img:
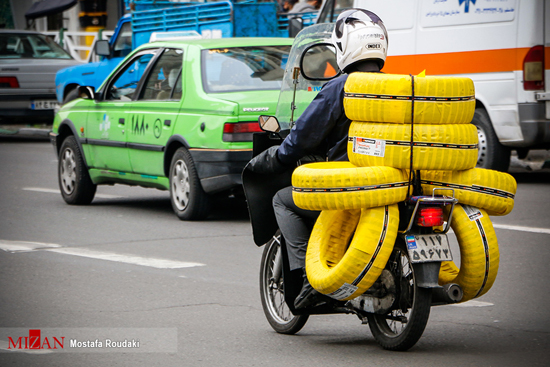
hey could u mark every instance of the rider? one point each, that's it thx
(361, 43)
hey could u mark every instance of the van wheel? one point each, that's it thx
(189, 200)
(491, 154)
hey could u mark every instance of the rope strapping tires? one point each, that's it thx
(343, 272)
(479, 255)
(436, 147)
(343, 186)
(388, 98)
(490, 190)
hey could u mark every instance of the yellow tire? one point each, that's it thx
(343, 272)
(479, 255)
(436, 147)
(343, 186)
(490, 190)
(387, 98)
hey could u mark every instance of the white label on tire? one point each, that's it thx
(343, 292)
(473, 213)
(373, 147)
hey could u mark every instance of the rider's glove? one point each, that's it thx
(267, 162)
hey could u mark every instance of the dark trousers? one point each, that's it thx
(295, 225)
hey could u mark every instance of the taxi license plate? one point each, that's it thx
(428, 248)
(44, 104)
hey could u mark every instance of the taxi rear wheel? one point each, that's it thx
(188, 199)
(74, 181)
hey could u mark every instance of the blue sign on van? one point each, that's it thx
(467, 6)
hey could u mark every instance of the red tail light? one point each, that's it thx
(533, 69)
(240, 131)
(8, 82)
(430, 217)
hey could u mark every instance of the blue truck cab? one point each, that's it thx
(94, 73)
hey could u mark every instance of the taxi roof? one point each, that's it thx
(224, 42)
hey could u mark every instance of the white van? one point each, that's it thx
(500, 44)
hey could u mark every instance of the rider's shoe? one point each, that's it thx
(308, 296)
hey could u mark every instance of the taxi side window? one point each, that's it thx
(125, 83)
(164, 80)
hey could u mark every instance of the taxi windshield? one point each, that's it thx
(243, 68)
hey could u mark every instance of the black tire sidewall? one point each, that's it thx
(198, 206)
(496, 156)
(418, 319)
(85, 189)
(298, 322)
(72, 95)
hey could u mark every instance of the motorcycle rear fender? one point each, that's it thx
(427, 274)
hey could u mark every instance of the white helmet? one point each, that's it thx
(359, 35)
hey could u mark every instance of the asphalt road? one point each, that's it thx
(104, 266)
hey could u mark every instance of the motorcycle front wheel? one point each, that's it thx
(403, 326)
(272, 293)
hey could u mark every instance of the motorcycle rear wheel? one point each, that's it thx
(403, 326)
(272, 293)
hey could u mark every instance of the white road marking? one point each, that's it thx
(20, 246)
(54, 191)
(473, 303)
(4, 346)
(127, 259)
(523, 229)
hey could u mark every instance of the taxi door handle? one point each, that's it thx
(121, 121)
(167, 122)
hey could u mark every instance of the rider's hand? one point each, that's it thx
(267, 162)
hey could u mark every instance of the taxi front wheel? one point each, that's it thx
(188, 199)
(74, 181)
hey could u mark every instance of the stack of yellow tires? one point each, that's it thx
(354, 236)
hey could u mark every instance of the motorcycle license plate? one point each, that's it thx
(428, 248)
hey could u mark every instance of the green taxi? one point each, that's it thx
(174, 115)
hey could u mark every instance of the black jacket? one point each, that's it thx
(322, 129)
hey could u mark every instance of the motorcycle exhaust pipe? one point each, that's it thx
(449, 293)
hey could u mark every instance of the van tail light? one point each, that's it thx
(240, 131)
(430, 217)
(8, 82)
(533, 69)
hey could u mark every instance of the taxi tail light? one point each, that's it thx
(240, 131)
(8, 82)
(430, 217)
(533, 69)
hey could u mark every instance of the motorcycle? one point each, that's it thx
(397, 306)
